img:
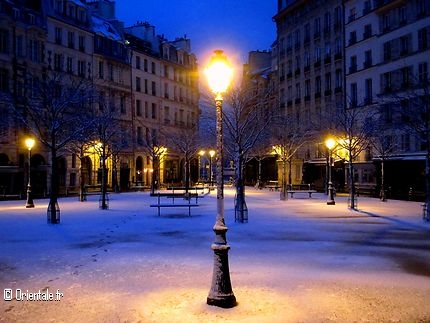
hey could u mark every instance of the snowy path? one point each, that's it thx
(295, 261)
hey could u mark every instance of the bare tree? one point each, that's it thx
(246, 117)
(186, 142)
(382, 141)
(353, 131)
(286, 141)
(56, 110)
(414, 105)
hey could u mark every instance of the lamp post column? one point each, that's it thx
(330, 143)
(221, 294)
(29, 204)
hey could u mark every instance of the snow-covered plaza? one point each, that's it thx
(299, 260)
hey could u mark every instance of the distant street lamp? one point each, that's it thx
(29, 143)
(219, 74)
(211, 155)
(201, 154)
(330, 143)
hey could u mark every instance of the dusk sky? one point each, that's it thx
(236, 26)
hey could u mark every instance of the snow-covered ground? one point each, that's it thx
(294, 261)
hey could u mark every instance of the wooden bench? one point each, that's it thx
(300, 188)
(188, 197)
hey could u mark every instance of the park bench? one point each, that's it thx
(300, 188)
(183, 196)
(273, 185)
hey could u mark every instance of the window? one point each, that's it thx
(353, 94)
(402, 15)
(58, 35)
(387, 51)
(338, 80)
(353, 64)
(101, 70)
(111, 72)
(71, 39)
(154, 111)
(423, 73)
(69, 65)
(145, 65)
(327, 22)
(367, 31)
(153, 88)
(297, 38)
(122, 104)
(4, 40)
(138, 108)
(58, 62)
(152, 67)
(337, 17)
(386, 82)
(366, 7)
(404, 45)
(137, 62)
(367, 58)
(352, 37)
(139, 135)
(368, 91)
(81, 68)
(138, 85)
(317, 54)
(307, 90)
(318, 85)
(4, 80)
(146, 86)
(307, 33)
(423, 38)
(327, 82)
(298, 91)
(317, 27)
(81, 41)
(352, 14)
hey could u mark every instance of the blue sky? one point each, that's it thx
(236, 26)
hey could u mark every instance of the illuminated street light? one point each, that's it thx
(219, 74)
(330, 143)
(201, 154)
(29, 143)
(211, 155)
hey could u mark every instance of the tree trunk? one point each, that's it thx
(283, 194)
(382, 193)
(351, 185)
(240, 208)
(53, 208)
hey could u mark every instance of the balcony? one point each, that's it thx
(327, 60)
(317, 95)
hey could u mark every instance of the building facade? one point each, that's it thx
(147, 85)
(387, 57)
(310, 72)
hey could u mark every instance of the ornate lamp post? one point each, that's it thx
(330, 143)
(211, 155)
(219, 75)
(29, 143)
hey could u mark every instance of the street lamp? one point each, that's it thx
(219, 74)
(330, 143)
(201, 154)
(29, 143)
(211, 155)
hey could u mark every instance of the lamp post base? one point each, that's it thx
(221, 293)
(29, 203)
(330, 200)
